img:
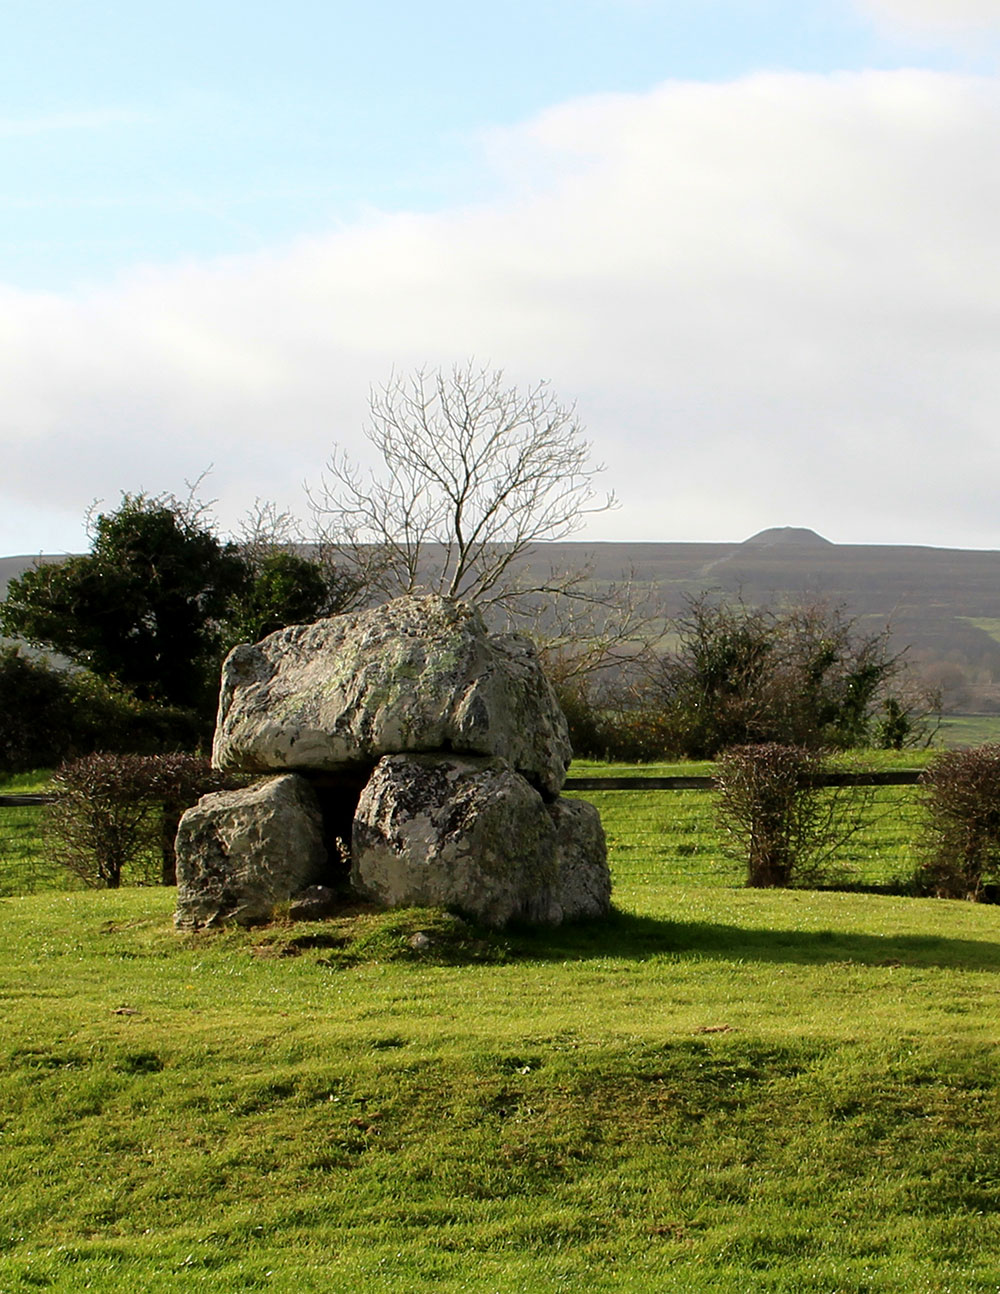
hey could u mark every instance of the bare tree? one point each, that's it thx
(474, 472)
(264, 530)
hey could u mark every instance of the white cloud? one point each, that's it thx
(776, 302)
(953, 14)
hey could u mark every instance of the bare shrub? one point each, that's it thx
(779, 818)
(116, 815)
(960, 800)
(102, 823)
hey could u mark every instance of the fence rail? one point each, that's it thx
(894, 777)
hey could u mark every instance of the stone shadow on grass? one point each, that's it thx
(625, 934)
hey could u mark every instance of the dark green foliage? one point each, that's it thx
(714, 685)
(106, 716)
(960, 798)
(118, 814)
(144, 607)
(33, 712)
(48, 715)
(285, 588)
(784, 826)
(898, 727)
(602, 727)
(799, 676)
(802, 676)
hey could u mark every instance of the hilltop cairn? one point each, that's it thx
(436, 749)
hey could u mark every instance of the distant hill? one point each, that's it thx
(943, 603)
(787, 537)
(11, 567)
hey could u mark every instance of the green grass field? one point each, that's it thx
(959, 730)
(717, 1089)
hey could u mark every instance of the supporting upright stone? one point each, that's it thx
(583, 887)
(464, 833)
(472, 834)
(240, 853)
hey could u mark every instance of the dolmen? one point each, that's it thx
(407, 756)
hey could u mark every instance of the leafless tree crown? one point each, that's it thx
(473, 473)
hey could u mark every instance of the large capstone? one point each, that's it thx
(415, 675)
(240, 853)
(473, 835)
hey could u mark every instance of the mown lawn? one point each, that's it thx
(717, 1089)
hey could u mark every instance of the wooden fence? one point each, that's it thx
(895, 777)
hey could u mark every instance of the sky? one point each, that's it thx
(756, 242)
